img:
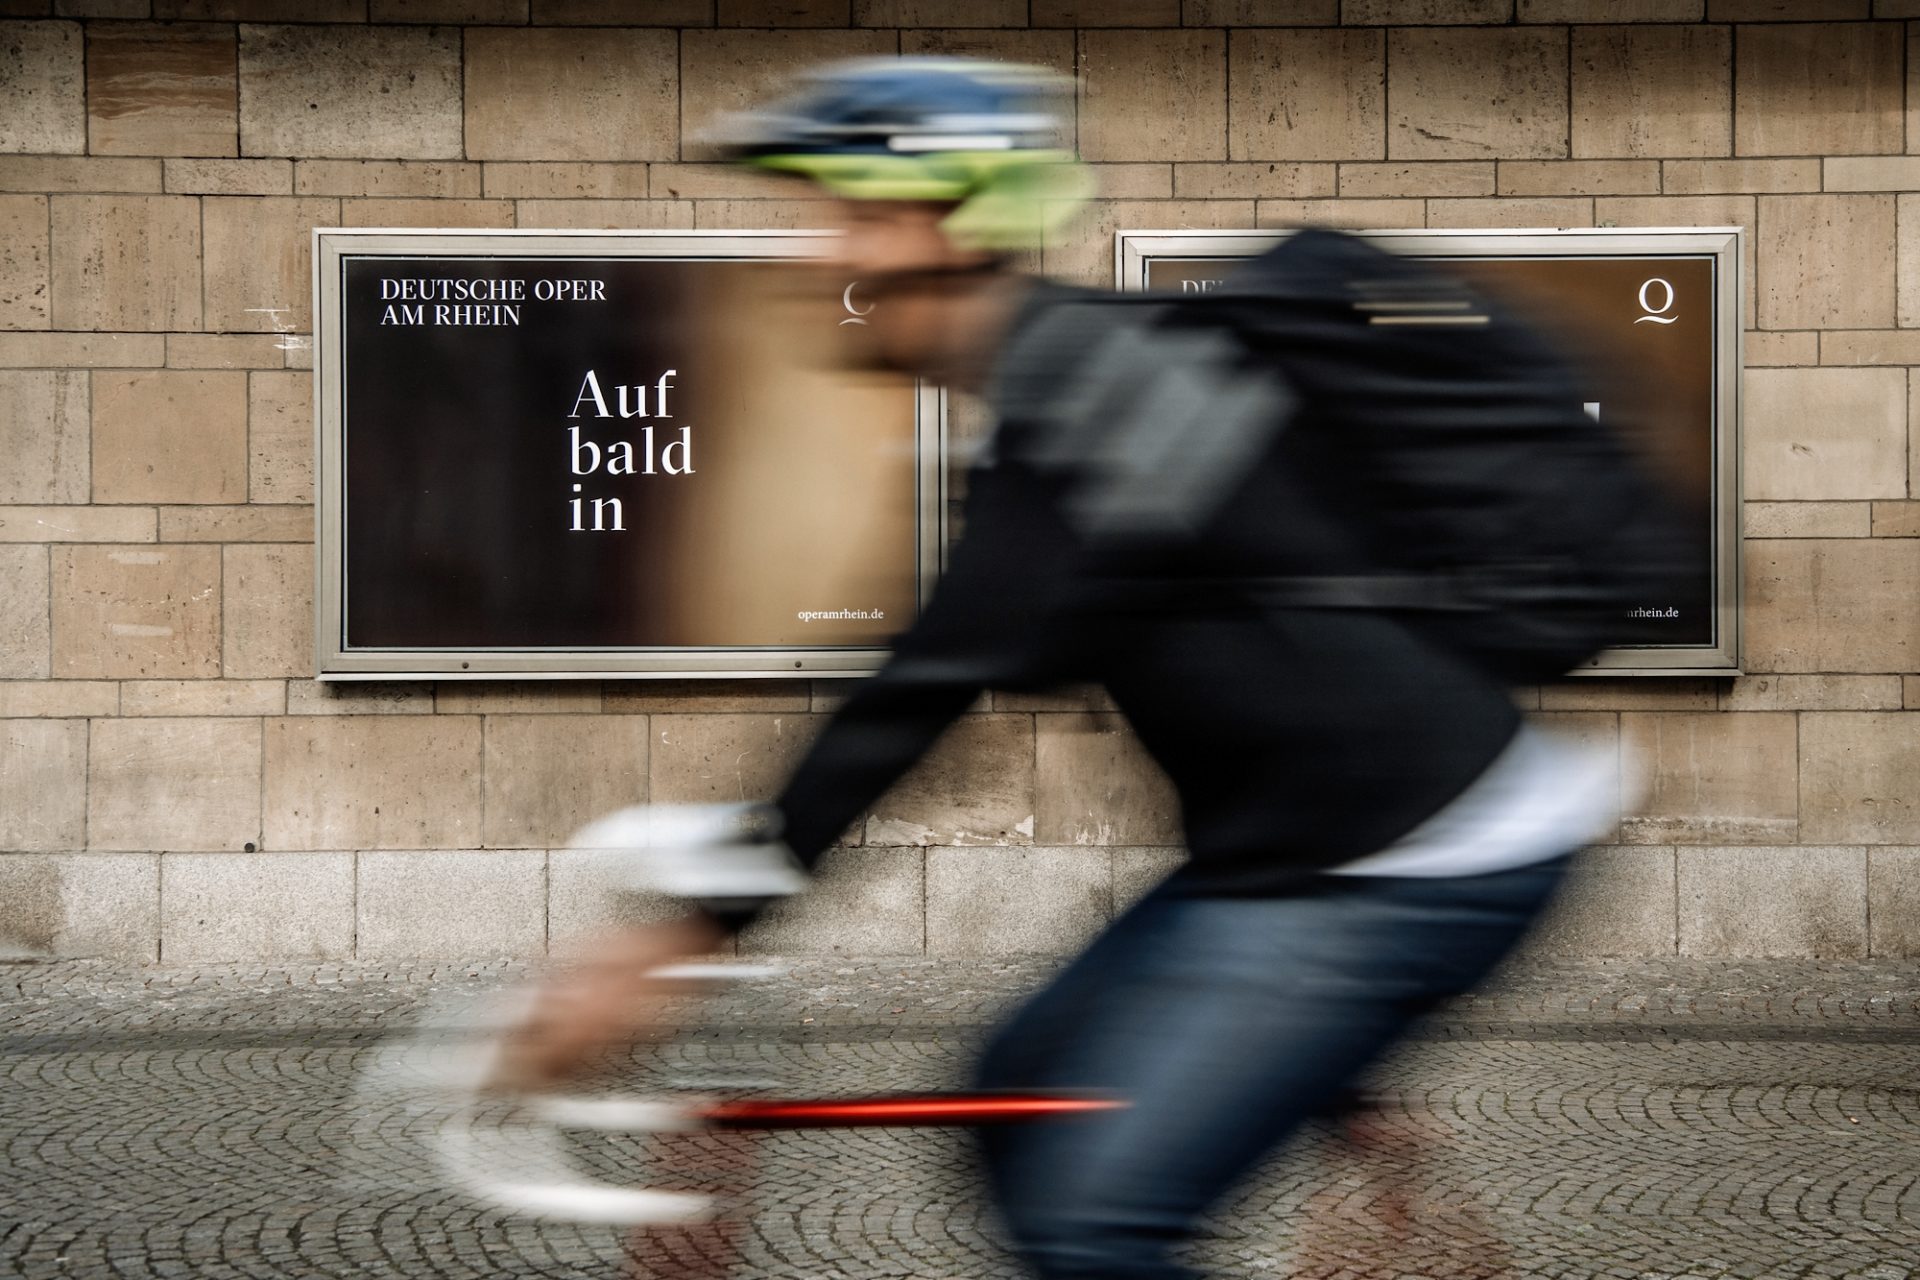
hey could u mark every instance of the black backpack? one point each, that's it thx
(1472, 493)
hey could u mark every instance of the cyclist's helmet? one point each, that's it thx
(990, 137)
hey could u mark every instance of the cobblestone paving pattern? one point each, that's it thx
(1646, 1121)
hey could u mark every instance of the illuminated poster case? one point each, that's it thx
(1651, 318)
(608, 454)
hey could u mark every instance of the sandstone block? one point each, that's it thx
(1242, 179)
(173, 784)
(629, 696)
(1825, 433)
(1896, 519)
(975, 787)
(43, 784)
(77, 524)
(1579, 177)
(1596, 731)
(23, 262)
(517, 697)
(1832, 605)
(1008, 901)
(1466, 93)
(1757, 177)
(42, 88)
(548, 776)
(81, 351)
(450, 178)
(1871, 173)
(77, 173)
(1616, 900)
(1783, 10)
(280, 437)
(456, 903)
(24, 635)
(1907, 253)
(372, 782)
(1535, 211)
(44, 436)
(1603, 694)
(1709, 778)
(1044, 48)
(600, 13)
(1801, 902)
(263, 10)
(1095, 784)
(617, 215)
(784, 215)
(1807, 519)
(1260, 13)
(85, 905)
(1075, 698)
(1826, 262)
(1392, 13)
(161, 90)
(861, 902)
(224, 351)
(136, 612)
(1870, 346)
(1893, 902)
(1812, 693)
(561, 94)
(1652, 91)
(269, 620)
(1766, 348)
(203, 697)
(426, 213)
(731, 70)
(1858, 779)
(1105, 13)
(1159, 95)
(1831, 88)
(718, 759)
(126, 262)
(217, 907)
(346, 91)
(1307, 95)
(939, 13)
(565, 180)
(229, 177)
(783, 13)
(475, 11)
(236, 524)
(1357, 215)
(58, 698)
(1422, 178)
(170, 435)
(1612, 10)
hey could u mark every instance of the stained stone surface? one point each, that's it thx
(1673, 1121)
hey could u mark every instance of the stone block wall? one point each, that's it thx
(174, 785)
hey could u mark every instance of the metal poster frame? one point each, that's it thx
(333, 660)
(1134, 251)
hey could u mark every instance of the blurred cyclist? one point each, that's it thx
(1236, 516)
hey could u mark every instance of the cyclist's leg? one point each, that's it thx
(1226, 1023)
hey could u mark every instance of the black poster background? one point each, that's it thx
(1654, 381)
(458, 480)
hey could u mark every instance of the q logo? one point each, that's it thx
(1656, 315)
(854, 314)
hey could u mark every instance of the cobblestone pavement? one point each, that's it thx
(1669, 1121)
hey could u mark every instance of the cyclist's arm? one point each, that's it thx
(993, 618)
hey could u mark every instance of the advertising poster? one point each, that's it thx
(608, 461)
(1652, 331)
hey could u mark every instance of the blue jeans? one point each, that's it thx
(1226, 1022)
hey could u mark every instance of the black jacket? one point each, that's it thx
(1296, 738)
